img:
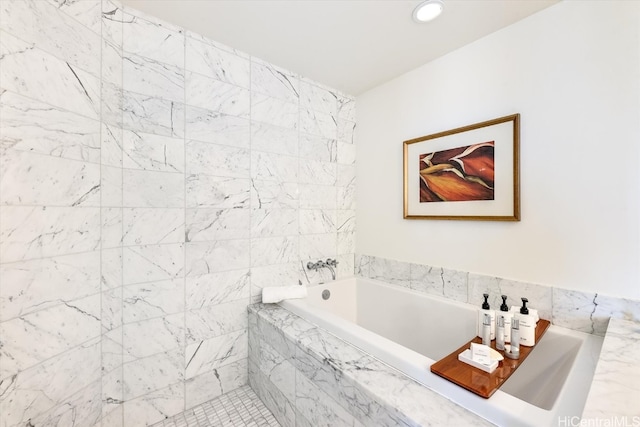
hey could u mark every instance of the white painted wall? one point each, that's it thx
(573, 72)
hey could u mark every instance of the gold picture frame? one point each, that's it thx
(468, 173)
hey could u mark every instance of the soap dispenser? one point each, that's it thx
(507, 315)
(527, 325)
(492, 315)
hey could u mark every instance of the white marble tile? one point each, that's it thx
(214, 95)
(274, 250)
(440, 281)
(277, 368)
(111, 261)
(319, 173)
(29, 125)
(346, 220)
(146, 226)
(217, 256)
(112, 104)
(206, 355)
(346, 175)
(75, 90)
(210, 60)
(37, 336)
(346, 132)
(346, 197)
(274, 139)
(153, 78)
(390, 271)
(362, 265)
(39, 388)
(207, 191)
(82, 408)
(152, 152)
(205, 224)
(35, 179)
(215, 320)
(152, 336)
(36, 232)
(38, 284)
(317, 221)
(111, 309)
(273, 167)
(86, 12)
(274, 82)
(149, 374)
(346, 243)
(150, 189)
(267, 194)
(318, 123)
(346, 262)
(316, 98)
(110, 186)
(153, 115)
(44, 25)
(346, 108)
(154, 299)
(274, 222)
(274, 275)
(155, 406)
(152, 39)
(277, 403)
(317, 197)
(112, 359)
(217, 288)
(540, 297)
(318, 246)
(149, 263)
(317, 407)
(274, 111)
(210, 126)
(112, 64)
(315, 147)
(111, 147)
(210, 385)
(217, 160)
(346, 153)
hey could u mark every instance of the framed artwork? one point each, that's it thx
(468, 173)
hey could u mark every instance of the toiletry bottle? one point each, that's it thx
(527, 326)
(504, 310)
(486, 330)
(500, 331)
(492, 314)
(514, 351)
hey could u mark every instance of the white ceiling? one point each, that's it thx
(350, 45)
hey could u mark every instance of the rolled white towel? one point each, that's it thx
(279, 293)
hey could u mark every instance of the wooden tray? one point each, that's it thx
(477, 381)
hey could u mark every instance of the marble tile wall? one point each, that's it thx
(581, 311)
(152, 181)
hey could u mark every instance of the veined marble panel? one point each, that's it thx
(209, 385)
(317, 246)
(273, 275)
(281, 407)
(112, 63)
(346, 243)
(218, 160)
(210, 126)
(36, 232)
(150, 189)
(217, 224)
(317, 196)
(391, 271)
(317, 221)
(346, 132)
(439, 281)
(313, 97)
(111, 148)
(83, 408)
(40, 388)
(346, 260)
(75, 90)
(153, 336)
(112, 358)
(274, 82)
(208, 191)
(155, 406)
(278, 369)
(111, 227)
(112, 18)
(35, 179)
(112, 103)
(110, 186)
(346, 109)
(319, 173)
(42, 24)
(86, 12)
(207, 355)
(274, 250)
(217, 288)
(274, 139)
(29, 125)
(153, 115)
(346, 153)
(146, 226)
(214, 95)
(217, 256)
(150, 263)
(346, 175)
(346, 197)
(153, 78)
(152, 39)
(216, 320)
(346, 221)
(274, 222)
(317, 407)
(274, 111)
(152, 152)
(42, 283)
(154, 299)
(273, 194)
(274, 167)
(315, 147)
(111, 309)
(318, 123)
(362, 265)
(149, 374)
(111, 268)
(207, 58)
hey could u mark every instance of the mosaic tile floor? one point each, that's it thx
(238, 408)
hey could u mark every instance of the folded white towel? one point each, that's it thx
(279, 293)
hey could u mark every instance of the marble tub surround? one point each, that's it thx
(308, 377)
(581, 311)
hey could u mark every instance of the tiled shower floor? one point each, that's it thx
(238, 408)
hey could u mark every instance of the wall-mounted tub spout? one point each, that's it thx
(329, 264)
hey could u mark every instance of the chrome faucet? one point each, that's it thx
(329, 264)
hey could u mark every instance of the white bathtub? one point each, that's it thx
(409, 331)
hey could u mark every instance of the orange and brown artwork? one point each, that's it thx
(458, 174)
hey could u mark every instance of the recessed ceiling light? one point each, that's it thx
(428, 10)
